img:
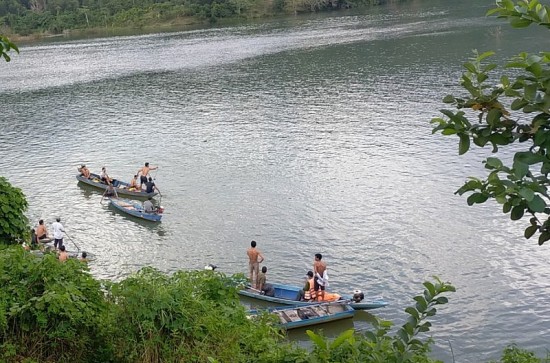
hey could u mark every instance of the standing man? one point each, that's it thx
(255, 257)
(144, 172)
(58, 230)
(321, 276)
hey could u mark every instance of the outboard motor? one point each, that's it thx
(160, 210)
(358, 296)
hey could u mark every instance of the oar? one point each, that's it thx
(74, 243)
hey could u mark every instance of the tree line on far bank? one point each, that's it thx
(24, 17)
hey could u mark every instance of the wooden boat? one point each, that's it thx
(135, 209)
(289, 295)
(301, 316)
(122, 188)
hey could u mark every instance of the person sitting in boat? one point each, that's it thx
(308, 292)
(150, 186)
(148, 206)
(41, 231)
(104, 176)
(265, 288)
(84, 171)
(134, 184)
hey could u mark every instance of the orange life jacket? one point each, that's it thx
(311, 293)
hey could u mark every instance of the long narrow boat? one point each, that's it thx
(289, 295)
(301, 316)
(122, 188)
(135, 209)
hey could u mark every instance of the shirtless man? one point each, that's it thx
(144, 172)
(41, 231)
(255, 257)
(319, 268)
(133, 183)
(63, 255)
(84, 171)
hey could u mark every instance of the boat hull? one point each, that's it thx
(135, 209)
(120, 186)
(314, 314)
(288, 295)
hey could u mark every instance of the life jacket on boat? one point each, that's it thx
(311, 293)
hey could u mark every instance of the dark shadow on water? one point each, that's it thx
(88, 191)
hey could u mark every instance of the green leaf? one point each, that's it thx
(449, 99)
(520, 169)
(530, 231)
(493, 163)
(518, 103)
(412, 311)
(464, 144)
(544, 236)
(517, 213)
(537, 204)
(317, 339)
(519, 22)
(347, 335)
(527, 194)
(476, 198)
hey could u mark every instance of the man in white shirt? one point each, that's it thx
(58, 230)
(148, 206)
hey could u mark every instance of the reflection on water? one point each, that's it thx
(307, 135)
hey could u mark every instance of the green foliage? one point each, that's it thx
(196, 314)
(13, 222)
(50, 311)
(6, 46)
(514, 354)
(378, 346)
(511, 109)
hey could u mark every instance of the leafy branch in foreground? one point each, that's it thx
(514, 109)
(378, 346)
(6, 45)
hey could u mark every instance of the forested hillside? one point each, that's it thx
(24, 17)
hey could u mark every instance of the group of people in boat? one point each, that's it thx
(140, 179)
(314, 287)
(39, 238)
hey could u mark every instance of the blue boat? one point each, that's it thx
(122, 188)
(301, 316)
(135, 209)
(289, 295)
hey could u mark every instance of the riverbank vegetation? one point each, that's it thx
(52, 311)
(24, 17)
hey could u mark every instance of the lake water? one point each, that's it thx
(307, 134)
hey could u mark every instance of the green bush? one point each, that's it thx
(50, 311)
(13, 222)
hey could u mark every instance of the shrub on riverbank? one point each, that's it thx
(57, 312)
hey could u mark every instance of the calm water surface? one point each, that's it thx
(305, 134)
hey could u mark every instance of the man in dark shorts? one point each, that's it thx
(58, 230)
(144, 172)
(321, 278)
